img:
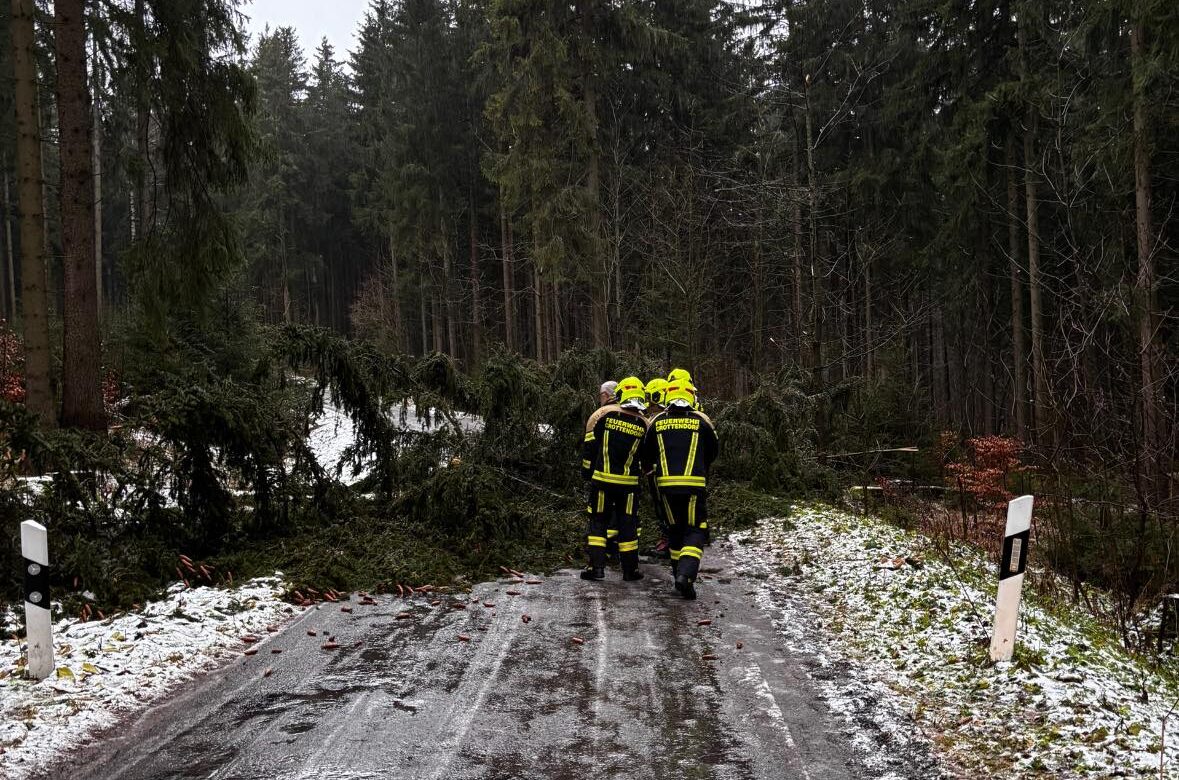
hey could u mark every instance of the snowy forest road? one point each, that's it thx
(640, 696)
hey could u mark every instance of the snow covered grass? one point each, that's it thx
(898, 621)
(106, 670)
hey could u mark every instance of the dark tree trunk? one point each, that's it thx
(141, 222)
(394, 294)
(82, 352)
(1018, 350)
(1152, 453)
(30, 191)
(476, 288)
(9, 249)
(505, 232)
(816, 319)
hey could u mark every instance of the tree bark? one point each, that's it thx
(437, 318)
(97, 163)
(450, 314)
(423, 305)
(758, 312)
(476, 287)
(1018, 350)
(1041, 424)
(9, 249)
(82, 352)
(34, 296)
(599, 273)
(538, 312)
(869, 361)
(1152, 455)
(505, 232)
(796, 218)
(1040, 400)
(399, 339)
(555, 331)
(143, 207)
(816, 277)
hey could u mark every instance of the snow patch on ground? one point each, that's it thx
(108, 669)
(904, 648)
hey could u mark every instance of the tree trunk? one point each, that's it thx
(1040, 400)
(505, 232)
(9, 249)
(555, 331)
(284, 282)
(599, 273)
(399, 340)
(796, 218)
(537, 311)
(869, 367)
(97, 163)
(1041, 424)
(816, 277)
(34, 297)
(423, 305)
(1018, 350)
(476, 289)
(143, 207)
(437, 318)
(82, 352)
(1152, 455)
(449, 312)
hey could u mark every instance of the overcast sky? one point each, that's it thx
(312, 20)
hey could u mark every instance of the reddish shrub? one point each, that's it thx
(990, 461)
(12, 360)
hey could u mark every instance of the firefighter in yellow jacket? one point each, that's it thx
(681, 443)
(655, 389)
(611, 462)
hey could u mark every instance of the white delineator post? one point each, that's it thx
(1011, 568)
(34, 547)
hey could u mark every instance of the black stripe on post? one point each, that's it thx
(36, 583)
(1015, 555)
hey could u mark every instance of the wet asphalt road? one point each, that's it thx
(406, 698)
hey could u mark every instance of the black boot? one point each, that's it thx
(631, 576)
(686, 587)
(593, 573)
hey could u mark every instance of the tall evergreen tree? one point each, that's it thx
(82, 405)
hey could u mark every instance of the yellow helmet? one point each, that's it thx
(681, 393)
(679, 375)
(655, 389)
(631, 393)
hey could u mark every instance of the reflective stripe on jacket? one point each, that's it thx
(610, 453)
(681, 444)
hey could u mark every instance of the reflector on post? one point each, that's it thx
(34, 548)
(1012, 564)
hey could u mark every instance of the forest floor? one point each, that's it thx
(825, 643)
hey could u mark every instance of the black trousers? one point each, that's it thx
(613, 509)
(687, 513)
(660, 510)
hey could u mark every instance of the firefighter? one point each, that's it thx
(682, 375)
(681, 443)
(611, 463)
(655, 389)
(605, 398)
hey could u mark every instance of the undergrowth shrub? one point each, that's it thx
(768, 439)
